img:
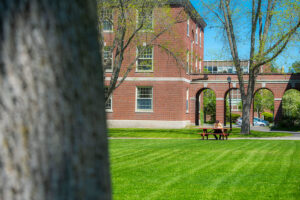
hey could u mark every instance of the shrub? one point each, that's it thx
(268, 116)
(234, 117)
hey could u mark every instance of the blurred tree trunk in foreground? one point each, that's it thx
(52, 122)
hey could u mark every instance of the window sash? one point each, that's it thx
(145, 59)
(108, 58)
(144, 98)
(146, 18)
(107, 24)
(108, 104)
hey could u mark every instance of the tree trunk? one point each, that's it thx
(245, 128)
(52, 122)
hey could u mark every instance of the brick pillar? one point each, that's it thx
(220, 110)
(277, 110)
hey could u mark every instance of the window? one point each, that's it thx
(145, 19)
(144, 99)
(235, 99)
(108, 104)
(188, 27)
(188, 62)
(192, 56)
(200, 39)
(196, 39)
(107, 59)
(145, 59)
(200, 66)
(107, 22)
(187, 100)
(196, 65)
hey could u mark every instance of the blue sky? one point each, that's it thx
(214, 44)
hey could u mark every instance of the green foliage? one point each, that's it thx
(209, 104)
(295, 68)
(291, 109)
(206, 170)
(268, 116)
(263, 100)
(234, 117)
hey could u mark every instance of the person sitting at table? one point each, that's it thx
(218, 128)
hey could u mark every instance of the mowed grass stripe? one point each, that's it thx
(207, 170)
(209, 180)
(191, 170)
(232, 167)
(246, 170)
(289, 187)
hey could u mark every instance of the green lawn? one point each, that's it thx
(180, 133)
(194, 169)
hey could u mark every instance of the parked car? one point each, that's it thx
(256, 122)
(239, 121)
(260, 122)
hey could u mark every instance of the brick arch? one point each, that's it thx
(197, 105)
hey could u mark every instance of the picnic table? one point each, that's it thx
(223, 132)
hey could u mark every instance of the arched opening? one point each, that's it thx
(290, 109)
(236, 105)
(263, 107)
(205, 106)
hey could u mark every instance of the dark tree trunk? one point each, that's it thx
(245, 128)
(52, 122)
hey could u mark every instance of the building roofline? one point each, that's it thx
(190, 9)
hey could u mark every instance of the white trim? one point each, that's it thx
(188, 27)
(147, 124)
(220, 99)
(153, 79)
(246, 81)
(277, 99)
(196, 35)
(187, 101)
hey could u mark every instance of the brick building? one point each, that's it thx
(162, 93)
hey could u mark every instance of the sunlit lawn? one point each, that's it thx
(195, 169)
(181, 133)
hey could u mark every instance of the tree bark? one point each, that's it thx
(52, 122)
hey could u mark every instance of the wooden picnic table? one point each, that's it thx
(223, 133)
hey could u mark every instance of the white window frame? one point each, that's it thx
(200, 65)
(112, 59)
(188, 62)
(142, 29)
(137, 61)
(196, 38)
(196, 65)
(187, 101)
(136, 100)
(112, 25)
(192, 45)
(111, 102)
(188, 27)
(200, 39)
